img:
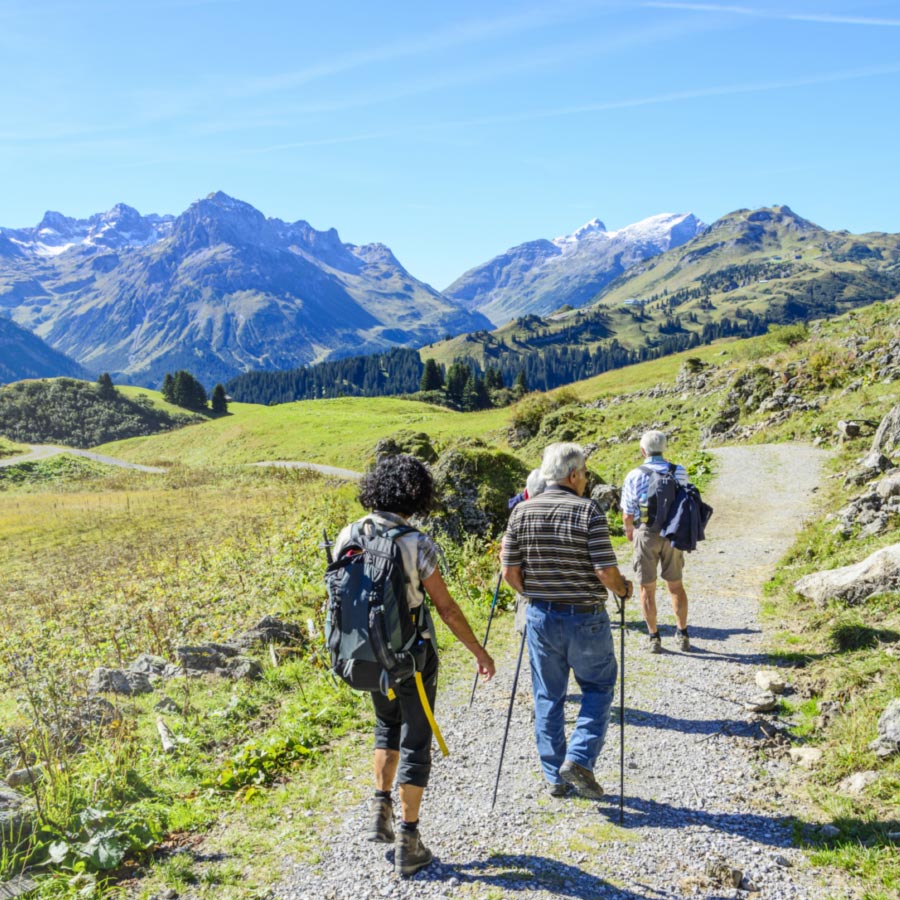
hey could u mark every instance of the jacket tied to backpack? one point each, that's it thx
(673, 510)
(374, 634)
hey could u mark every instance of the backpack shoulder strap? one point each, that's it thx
(399, 530)
(672, 469)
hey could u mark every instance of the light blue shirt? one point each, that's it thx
(636, 483)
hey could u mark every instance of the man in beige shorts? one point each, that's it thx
(652, 552)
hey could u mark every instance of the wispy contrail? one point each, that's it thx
(784, 15)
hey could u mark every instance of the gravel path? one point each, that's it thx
(695, 786)
(45, 451)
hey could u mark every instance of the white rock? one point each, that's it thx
(855, 784)
(762, 703)
(805, 756)
(771, 680)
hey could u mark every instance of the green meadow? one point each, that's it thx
(99, 565)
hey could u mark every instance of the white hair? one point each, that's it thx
(559, 461)
(653, 442)
(535, 483)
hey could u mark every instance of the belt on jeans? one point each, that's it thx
(569, 608)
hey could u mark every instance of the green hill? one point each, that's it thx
(750, 269)
(80, 414)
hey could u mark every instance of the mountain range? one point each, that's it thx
(541, 276)
(24, 355)
(749, 269)
(218, 290)
(221, 290)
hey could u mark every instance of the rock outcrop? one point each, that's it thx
(876, 574)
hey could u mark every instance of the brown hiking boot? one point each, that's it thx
(682, 640)
(381, 821)
(655, 643)
(581, 779)
(410, 854)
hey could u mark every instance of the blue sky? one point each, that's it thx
(452, 131)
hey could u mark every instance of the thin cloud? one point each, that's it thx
(605, 106)
(824, 18)
(680, 96)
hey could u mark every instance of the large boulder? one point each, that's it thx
(887, 437)
(117, 681)
(888, 741)
(473, 485)
(415, 443)
(270, 630)
(876, 574)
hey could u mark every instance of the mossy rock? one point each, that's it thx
(570, 423)
(415, 443)
(473, 484)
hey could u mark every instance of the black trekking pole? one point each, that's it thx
(326, 545)
(512, 700)
(620, 602)
(488, 630)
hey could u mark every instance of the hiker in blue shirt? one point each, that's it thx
(652, 552)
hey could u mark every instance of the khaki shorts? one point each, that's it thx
(652, 551)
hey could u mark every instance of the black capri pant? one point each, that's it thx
(401, 723)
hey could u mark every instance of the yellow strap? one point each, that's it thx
(390, 694)
(430, 715)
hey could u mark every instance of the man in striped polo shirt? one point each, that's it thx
(653, 552)
(557, 554)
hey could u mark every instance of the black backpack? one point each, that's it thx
(661, 491)
(372, 635)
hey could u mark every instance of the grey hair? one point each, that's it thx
(653, 442)
(559, 460)
(535, 483)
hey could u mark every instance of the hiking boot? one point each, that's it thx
(410, 854)
(381, 821)
(557, 790)
(655, 643)
(581, 779)
(682, 640)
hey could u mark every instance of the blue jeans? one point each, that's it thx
(560, 642)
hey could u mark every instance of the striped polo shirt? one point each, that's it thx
(559, 539)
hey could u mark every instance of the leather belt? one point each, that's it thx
(568, 608)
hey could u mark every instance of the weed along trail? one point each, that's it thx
(704, 813)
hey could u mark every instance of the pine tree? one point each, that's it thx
(105, 387)
(456, 381)
(432, 378)
(469, 400)
(219, 400)
(168, 388)
(521, 385)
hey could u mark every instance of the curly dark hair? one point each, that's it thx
(398, 484)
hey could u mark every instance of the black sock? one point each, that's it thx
(410, 827)
(383, 795)
(681, 630)
(653, 634)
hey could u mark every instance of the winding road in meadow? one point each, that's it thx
(45, 451)
(697, 791)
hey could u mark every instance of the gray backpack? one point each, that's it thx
(660, 499)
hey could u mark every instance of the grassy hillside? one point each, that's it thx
(81, 413)
(339, 432)
(749, 269)
(112, 564)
